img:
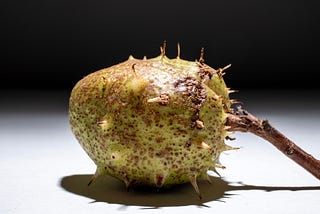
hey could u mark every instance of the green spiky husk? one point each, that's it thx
(156, 121)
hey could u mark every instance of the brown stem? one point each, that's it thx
(243, 121)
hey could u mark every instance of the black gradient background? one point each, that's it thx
(51, 44)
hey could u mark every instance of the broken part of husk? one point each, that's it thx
(243, 121)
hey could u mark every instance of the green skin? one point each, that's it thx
(156, 121)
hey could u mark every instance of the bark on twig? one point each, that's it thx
(243, 121)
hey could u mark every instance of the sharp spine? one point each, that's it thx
(159, 180)
(203, 145)
(227, 148)
(178, 55)
(193, 181)
(217, 165)
(95, 176)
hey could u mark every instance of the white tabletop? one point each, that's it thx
(43, 169)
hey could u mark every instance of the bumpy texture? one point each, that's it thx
(156, 121)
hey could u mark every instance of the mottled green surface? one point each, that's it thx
(157, 122)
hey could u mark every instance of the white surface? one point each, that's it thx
(44, 170)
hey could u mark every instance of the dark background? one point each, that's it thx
(51, 44)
